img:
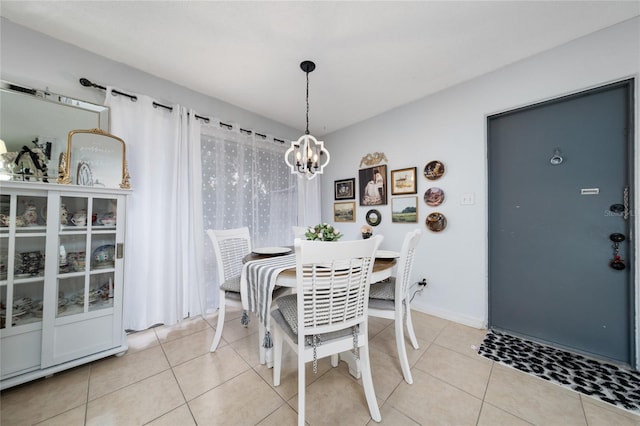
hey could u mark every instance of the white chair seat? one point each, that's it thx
(384, 290)
(289, 328)
(232, 284)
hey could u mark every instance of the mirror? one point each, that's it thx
(38, 119)
(94, 158)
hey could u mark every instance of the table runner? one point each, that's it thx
(258, 279)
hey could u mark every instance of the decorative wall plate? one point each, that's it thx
(434, 196)
(436, 222)
(373, 217)
(434, 170)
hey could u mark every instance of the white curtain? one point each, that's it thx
(164, 244)
(245, 183)
(309, 201)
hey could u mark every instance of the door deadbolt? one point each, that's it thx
(616, 237)
(617, 208)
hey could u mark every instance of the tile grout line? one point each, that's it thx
(173, 373)
(86, 405)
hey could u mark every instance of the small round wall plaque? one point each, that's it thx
(373, 217)
(434, 170)
(436, 222)
(434, 196)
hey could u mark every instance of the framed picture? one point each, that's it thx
(403, 181)
(404, 210)
(345, 189)
(344, 212)
(373, 186)
(373, 217)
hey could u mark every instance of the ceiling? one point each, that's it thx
(371, 56)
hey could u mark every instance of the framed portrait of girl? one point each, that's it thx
(373, 186)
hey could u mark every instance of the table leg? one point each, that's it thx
(352, 362)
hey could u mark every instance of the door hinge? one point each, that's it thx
(625, 201)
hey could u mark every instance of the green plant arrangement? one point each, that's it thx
(322, 232)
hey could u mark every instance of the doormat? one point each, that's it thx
(596, 379)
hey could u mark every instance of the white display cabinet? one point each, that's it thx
(61, 277)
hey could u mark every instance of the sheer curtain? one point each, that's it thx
(245, 182)
(309, 196)
(164, 243)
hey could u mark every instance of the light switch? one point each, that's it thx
(468, 199)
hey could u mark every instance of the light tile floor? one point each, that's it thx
(169, 377)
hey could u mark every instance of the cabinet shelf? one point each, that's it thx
(34, 228)
(27, 280)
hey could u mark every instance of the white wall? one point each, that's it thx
(450, 126)
(36, 60)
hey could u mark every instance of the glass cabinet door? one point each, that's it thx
(22, 259)
(87, 248)
(104, 218)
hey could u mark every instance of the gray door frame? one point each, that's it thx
(634, 196)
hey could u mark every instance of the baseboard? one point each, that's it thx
(452, 316)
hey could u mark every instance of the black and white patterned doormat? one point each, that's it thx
(597, 379)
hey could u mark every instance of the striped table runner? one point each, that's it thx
(257, 282)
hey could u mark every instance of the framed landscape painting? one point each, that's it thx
(404, 210)
(344, 212)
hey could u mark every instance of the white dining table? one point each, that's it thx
(263, 272)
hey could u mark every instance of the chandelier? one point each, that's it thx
(307, 156)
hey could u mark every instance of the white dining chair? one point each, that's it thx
(229, 246)
(328, 313)
(391, 299)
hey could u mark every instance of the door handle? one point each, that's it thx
(617, 263)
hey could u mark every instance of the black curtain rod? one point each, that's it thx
(86, 83)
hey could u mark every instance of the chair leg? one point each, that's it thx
(277, 355)
(301, 387)
(220, 325)
(367, 383)
(402, 350)
(412, 333)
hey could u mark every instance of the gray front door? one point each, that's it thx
(558, 175)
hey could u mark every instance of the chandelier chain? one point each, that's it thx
(307, 131)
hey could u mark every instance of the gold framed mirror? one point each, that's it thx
(94, 158)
